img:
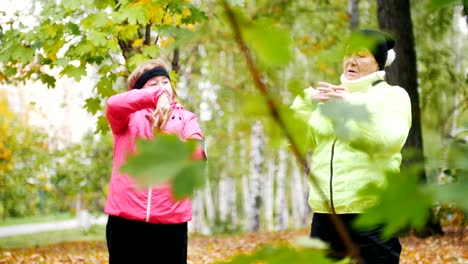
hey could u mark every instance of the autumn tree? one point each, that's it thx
(24, 164)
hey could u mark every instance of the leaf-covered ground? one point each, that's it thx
(451, 249)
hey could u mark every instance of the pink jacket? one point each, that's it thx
(126, 114)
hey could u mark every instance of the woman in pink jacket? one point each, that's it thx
(147, 226)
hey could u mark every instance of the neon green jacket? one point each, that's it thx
(348, 152)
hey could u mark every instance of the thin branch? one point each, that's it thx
(273, 109)
(175, 61)
(148, 34)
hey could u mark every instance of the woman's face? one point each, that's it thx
(161, 82)
(359, 64)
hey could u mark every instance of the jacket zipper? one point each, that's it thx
(331, 176)
(148, 205)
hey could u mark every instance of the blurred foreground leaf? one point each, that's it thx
(282, 254)
(271, 44)
(403, 202)
(164, 158)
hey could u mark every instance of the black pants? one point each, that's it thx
(130, 241)
(372, 248)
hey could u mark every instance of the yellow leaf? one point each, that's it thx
(186, 12)
(168, 20)
(137, 42)
(178, 19)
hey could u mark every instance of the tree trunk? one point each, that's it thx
(256, 171)
(209, 206)
(353, 11)
(395, 17)
(268, 196)
(246, 199)
(281, 201)
(298, 198)
(222, 197)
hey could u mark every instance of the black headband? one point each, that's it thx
(158, 71)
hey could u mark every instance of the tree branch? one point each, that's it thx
(273, 109)
(148, 34)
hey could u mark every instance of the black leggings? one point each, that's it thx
(372, 248)
(130, 241)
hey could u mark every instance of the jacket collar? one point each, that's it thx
(363, 83)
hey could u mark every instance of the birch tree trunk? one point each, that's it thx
(298, 194)
(209, 206)
(268, 196)
(230, 181)
(247, 210)
(246, 199)
(256, 171)
(196, 224)
(281, 201)
(222, 199)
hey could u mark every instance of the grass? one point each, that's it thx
(97, 232)
(36, 219)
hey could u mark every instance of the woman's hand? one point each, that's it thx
(160, 116)
(326, 91)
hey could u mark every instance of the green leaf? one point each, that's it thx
(102, 125)
(439, 4)
(161, 159)
(103, 4)
(188, 180)
(135, 14)
(95, 20)
(104, 86)
(136, 60)
(403, 202)
(47, 79)
(73, 28)
(74, 72)
(126, 32)
(62, 62)
(93, 105)
(98, 38)
(151, 51)
(23, 54)
(271, 44)
(10, 71)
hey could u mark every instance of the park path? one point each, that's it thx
(82, 221)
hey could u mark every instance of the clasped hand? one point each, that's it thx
(326, 91)
(160, 116)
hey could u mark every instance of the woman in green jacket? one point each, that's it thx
(345, 162)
